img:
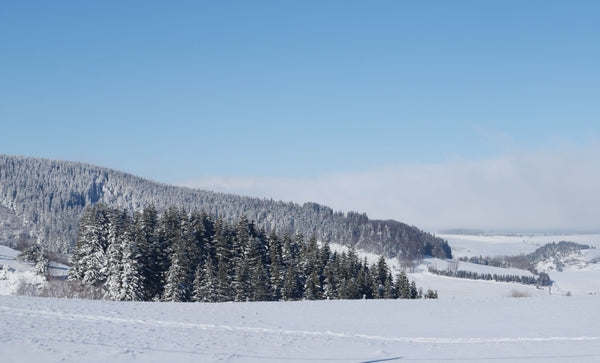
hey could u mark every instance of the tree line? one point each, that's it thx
(197, 256)
(542, 280)
(552, 252)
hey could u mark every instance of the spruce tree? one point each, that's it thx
(224, 254)
(276, 266)
(89, 259)
(414, 292)
(132, 287)
(389, 291)
(152, 252)
(177, 280)
(330, 281)
(205, 282)
(292, 287)
(403, 286)
(242, 284)
(259, 283)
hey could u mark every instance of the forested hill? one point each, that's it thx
(43, 199)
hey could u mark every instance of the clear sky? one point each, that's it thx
(279, 98)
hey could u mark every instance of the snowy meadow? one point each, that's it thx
(473, 320)
(535, 329)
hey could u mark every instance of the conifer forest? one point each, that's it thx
(195, 256)
(42, 201)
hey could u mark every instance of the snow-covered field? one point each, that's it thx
(581, 276)
(498, 245)
(507, 329)
(473, 320)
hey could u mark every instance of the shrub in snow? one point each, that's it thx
(519, 293)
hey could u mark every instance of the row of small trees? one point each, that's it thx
(542, 280)
(181, 256)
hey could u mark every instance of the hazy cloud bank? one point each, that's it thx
(544, 191)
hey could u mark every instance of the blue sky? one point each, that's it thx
(196, 91)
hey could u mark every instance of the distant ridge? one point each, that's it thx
(42, 199)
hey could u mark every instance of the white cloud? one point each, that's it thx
(551, 190)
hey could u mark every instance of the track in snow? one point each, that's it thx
(203, 326)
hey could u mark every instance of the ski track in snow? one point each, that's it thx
(203, 326)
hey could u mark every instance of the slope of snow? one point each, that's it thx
(449, 287)
(549, 330)
(14, 272)
(581, 276)
(499, 245)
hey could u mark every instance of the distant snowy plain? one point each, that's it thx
(472, 321)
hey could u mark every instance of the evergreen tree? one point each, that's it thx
(380, 272)
(243, 288)
(414, 292)
(117, 226)
(364, 281)
(330, 281)
(260, 286)
(276, 266)
(89, 259)
(403, 286)
(178, 285)
(152, 252)
(224, 254)
(389, 291)
(124, 280)
(132, 287)
(292, 286)
(312, 288)
(205, 282)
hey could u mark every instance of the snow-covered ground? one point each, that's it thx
(581, 275)
(13, 272)
(547, 330)
(473, 320)
(501, 245)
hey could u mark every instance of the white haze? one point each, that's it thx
(542, 191)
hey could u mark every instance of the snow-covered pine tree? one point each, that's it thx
(389, 291)
(260, 284)
(223, 252)
(132, 287)
(380, 272)
(330, 284)
(292, 286)
(89, 259)
(124, 274)
(257, 256)
(205, 282)
(178, 284)
(114, 253)
(403, 286)
(152, 252)
(38, 255)
(276, 266)
(365, 280)
(414, 292)
(242, 286)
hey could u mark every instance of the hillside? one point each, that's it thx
(43, 199)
